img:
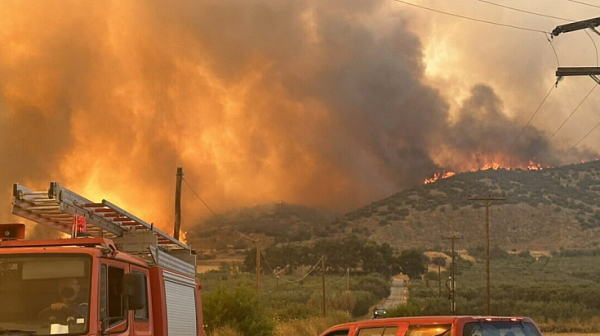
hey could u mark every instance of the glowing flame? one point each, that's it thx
(183, 237)
(437, 176)
(531, 165)
(534, 166)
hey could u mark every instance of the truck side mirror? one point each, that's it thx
(134, 291)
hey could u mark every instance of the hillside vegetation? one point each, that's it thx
(548, 209)
(544, 210)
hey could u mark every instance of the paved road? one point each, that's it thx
(397, 294)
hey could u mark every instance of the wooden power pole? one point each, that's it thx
(177, 227)
(257, 267)
(452, 239)
(323, 278)
(488, 201)
(439, 280)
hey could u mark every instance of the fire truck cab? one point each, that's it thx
(115, 275)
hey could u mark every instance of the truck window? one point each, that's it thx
(429, 330)
(379, 331)
(338, 333)
(141, 315)
(111, 305)
(500, 328)
(44, 293)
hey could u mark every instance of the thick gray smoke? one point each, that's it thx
(314, 102)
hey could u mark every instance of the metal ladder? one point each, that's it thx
(57, 207)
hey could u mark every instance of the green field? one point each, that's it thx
(562, 292)
(296, 306)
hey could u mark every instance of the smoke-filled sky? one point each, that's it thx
(323, 103)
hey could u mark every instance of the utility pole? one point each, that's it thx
(257, 242)
(177, 227)
(323, 278)
(257, 267)
(452, 239)
(593, 72)
(440, 280)
(348, 280)
(488, 201)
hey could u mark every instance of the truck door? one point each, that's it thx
(142, 319)
(111, 308)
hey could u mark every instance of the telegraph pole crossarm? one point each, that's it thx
(579, 25)
(593, 72)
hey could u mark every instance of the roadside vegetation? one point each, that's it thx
(290, 300)
(561, 292)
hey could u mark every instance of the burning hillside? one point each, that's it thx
(493, 166)
(308, 102)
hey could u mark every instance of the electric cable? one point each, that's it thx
(532, 116)
(583, 3)
(472, 19)
(549, 38)
(595, 46)
(228, 226)
(523, 11)
(585, 136)
(544, 145)
(556, 54)
(306, 275)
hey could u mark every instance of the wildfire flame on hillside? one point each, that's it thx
(488, 166)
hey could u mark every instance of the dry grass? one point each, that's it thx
(310, 327)
(569, 334)
(225, 331)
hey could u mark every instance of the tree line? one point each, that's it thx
(358, 255)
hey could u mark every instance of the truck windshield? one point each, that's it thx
(44, 294)
(500, 328)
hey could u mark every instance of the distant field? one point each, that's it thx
(561, 292)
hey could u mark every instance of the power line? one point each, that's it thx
(228, 226)
(584, 3)
(524, 11)
(201, 200)
(532, 116)
(554, 50)
(471, 18)
(306, 275)
(585, 136)
(564, 122)
(546, 16)
(594, 43)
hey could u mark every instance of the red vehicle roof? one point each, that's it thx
(417, 320)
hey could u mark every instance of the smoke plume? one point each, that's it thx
(311, 102)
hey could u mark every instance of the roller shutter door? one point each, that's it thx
(181, 305)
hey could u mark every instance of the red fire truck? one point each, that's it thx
(115, 275)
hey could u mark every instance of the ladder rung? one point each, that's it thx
(93, 205)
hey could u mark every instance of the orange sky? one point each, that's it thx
(330, 104)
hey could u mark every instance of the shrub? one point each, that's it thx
(364, 300)
(237, 308)
(404, 309)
